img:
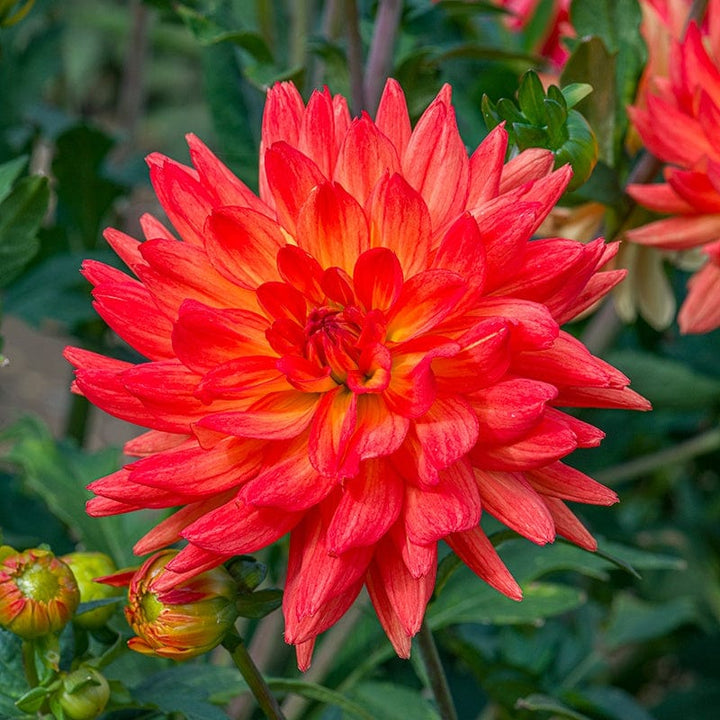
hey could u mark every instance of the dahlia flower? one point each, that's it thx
(364, 356)
(679, 124)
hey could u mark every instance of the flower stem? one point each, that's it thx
(259, 688)
(355, 57)
(699, 445)
(380, 56)
(438, 681)
(28, 660)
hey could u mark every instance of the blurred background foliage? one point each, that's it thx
(87, 89)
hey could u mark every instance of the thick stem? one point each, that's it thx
(244, 663)
(438, 681)
(380, 56)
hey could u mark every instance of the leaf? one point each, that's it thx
(9, 173)
(634, 620)
(485, 605)
(187, 689)
(386, 701)
(543, 703)
(617, 24)
(21, 214)
(59, 475)
(667, 384)
(13, 684)
(85, 194)
(592, 64)
(227, 93)
(56, 290)
(616, 703)
(322, 694)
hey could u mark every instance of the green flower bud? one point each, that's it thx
(38, 593)
(86, 566)
(184, 621)
(84, 694)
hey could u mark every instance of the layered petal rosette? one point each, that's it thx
(679, 123)
(364, 356)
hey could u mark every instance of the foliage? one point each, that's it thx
(91, 86)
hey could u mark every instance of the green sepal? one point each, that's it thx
(33, 699)
(247, 572)
(531, 97)
(259, 604)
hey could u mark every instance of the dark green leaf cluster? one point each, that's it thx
(547, 120)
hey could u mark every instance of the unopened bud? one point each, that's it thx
(84, 694)
(182, 622)
(38, 593)
(86, 566)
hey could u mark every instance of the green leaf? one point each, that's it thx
(616, 703)
(59, 475)
(386, 701)
(667, 384)
(55, 289)
(9, 172)
(228, 96)
(592, 63)
(617, 24)
(322, 694)
(485, 605)
(21, 214)
(187, 689)
(543, 703)
(635, 621)
(13, 684)
(85, 194)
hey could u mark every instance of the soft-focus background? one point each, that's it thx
(87, 89)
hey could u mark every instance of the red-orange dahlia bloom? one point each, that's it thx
(365, 356)
(680, 124)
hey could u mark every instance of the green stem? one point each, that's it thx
(697, 12)
(76, 423)
(259, 688)
(355, 58)
(380, 56)
(438, 681)
(28, 660)
(699, 445)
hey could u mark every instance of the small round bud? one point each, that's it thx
(86, 566)
(38, 593)
(184, 621)
(84, 694)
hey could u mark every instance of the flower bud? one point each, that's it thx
(38, 593)
(182, 622)
(86, 566)
(83, 695)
